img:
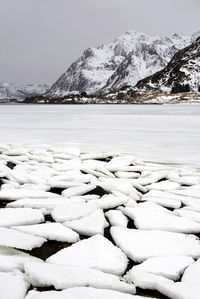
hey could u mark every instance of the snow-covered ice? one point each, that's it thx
(20, 216)
(50, 231)
(64, 277)
(160, 243)
(96, 252)
(83, 293)
(20, 240)
(89, 225)
(12, 286)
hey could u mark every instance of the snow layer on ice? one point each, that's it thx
(149, 219)
(96, 252)
(184, 212)
(83, 293)
(72, 211)
(164, 186)
(77, 191)
(50, 231)
(63, 277)
(11, 259)
(89, 225)
(40, 203)
(140, 245)
(13, 238)
(20, 216)
(171, 267)
(174, 290)
(12, 286)
(24, 193)
(117, 218)
(110, 201)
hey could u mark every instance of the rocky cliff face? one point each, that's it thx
(128, 59)
(182, 74)
(13, 91)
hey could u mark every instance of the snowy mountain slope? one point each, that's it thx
(129, 58)
(12, 91)
(148, 57)
(182, 74)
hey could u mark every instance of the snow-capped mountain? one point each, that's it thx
(182, 74)
(13, 91)
(128, 59)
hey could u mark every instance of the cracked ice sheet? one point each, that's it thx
(83, 293)
(154, 243)
(50, 231)
(96, 252)
(12, 286)
(149, 219)
(63, 277)
(11, 259)
(20, 216)
(89, 225)
(171, 267)
(16, 239)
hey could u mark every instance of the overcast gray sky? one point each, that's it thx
(39, 39)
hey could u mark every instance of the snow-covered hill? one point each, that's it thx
(13, 91)
(128, 59)
(182, 74)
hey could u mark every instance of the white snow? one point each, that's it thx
(12, 286)
(50, 231)
(96, 252)
(171, 267)
(13, 238)
(153, 219)
(11, 259)
(154, 243)
(117, 218)
(72, 211)
(20, 216)
(64, 277)
(83, 293)
(90, 225)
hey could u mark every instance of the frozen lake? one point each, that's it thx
(167, 133)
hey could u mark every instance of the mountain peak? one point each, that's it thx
(128, 59)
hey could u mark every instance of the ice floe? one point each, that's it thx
(64, 277)
(96, 252)
(89, 225)
(50, 231)
(83, 293)
(140, 245)
(12, 286)
(20, 216)
(16, 239)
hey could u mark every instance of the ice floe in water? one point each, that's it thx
(20, 216)
(50, 231)
(20, 240)
(171, 267)
(83, 293)
(154, 243)
(89, 225)
(12, 286)
(149, 219)
(96, 252)
(11, 259)
(63, 277)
